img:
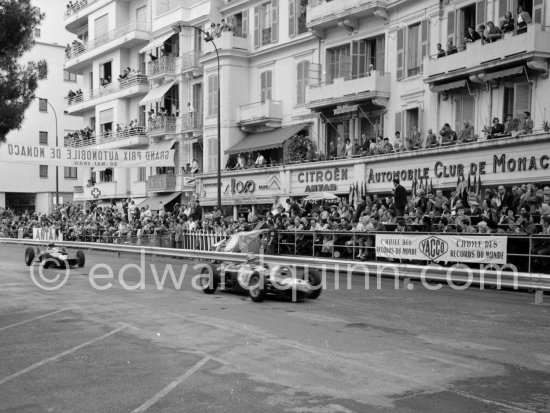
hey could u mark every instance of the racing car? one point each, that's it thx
(256, 278)
(54, 256)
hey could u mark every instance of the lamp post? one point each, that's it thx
(56, 166)
(208, 38)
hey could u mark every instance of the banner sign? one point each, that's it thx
(47, 234)
(62, 156)
(451, 248)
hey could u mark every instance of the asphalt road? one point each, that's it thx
(81, 349)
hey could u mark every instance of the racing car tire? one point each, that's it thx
(315, 280)
(207, 288)
(29, 256)
(256, 294)
(80, 259)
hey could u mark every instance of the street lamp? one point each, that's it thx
(56, 166)
(209, 38)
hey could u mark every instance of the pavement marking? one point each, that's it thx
(58, 356)
(145, 406)
(34, 318)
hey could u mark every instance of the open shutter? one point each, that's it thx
(502, 9)
(257, 38)
(245, 23)
(268, 85)
(522, 99)
(424, 41)
(292, 18)
(538, 11)
(274, 21)
(421, 122)
(299, 82)
(262, 86)
(450, 27)
(379, 64)
(398, 122)
(358, 59)
(458, 114)
(481, 12)
(400, 53)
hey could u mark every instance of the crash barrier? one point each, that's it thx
(529, 253)
(459, 276)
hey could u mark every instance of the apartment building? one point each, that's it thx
(33, 187)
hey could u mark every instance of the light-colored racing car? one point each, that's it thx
(53, 256)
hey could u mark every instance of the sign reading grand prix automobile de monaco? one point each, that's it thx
(62, 156)
(450, 248)
(526, 163)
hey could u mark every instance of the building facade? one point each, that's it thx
(337, 72)
(33, 187)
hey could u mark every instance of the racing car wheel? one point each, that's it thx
(29, 256)
(315, 281)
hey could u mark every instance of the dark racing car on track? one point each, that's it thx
(53, 256)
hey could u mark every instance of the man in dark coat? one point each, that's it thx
(399, 198)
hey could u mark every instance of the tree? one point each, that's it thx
(18, 83)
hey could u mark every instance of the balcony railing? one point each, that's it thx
(77, 6)
(261, 111)
(190, 61)
(161, 183)
(105, 137)
(322, 13)
(166, 65)
(162, 125)
(191, 122)
(79, 49)
(115, 86)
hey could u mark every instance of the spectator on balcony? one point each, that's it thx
(348, 150)
(123, 75)
(387, 146)
(481, 32)
(492, 33)
(468, 133)
(526, 124)
(67, 50)
(399, 146)
(191, 112)
(414, 141)
(71, 95)
(105, 81)
(471, 36)
(341, 147)
(431, 139)
(451, 48)
(224, 26)
(370, 69)
(524, 18)
(260, 160)
(448, 136)
(440, 51)
(497, 130)
(508, 125)
(508, 25)
(240, 162)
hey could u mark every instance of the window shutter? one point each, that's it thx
(274, 21)
(502, 9)
(245, 23)
(257, 37)
(398, 120)
(458, 114)
(450, 27)
(522, 99)
(379, 64)
(299, 81)
(268, 85)
(481, 8)
(358, 59)
(262, 86)
(538, 11)
(421, 121)
(424, 41)
(400, 54)
(292, 18)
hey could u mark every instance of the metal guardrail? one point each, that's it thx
(400, 272)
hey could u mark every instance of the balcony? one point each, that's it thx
(169, 13)
(127, 88)
(268, 114)
(162, 183)
(191, 124)
(113, 140)
(512, 50)
(161, 126)
(375, 87)
(102, 190)
(76, 16)
(322, 14)
(190, 64)
(125, 37)
(227, 41)
(164, 67)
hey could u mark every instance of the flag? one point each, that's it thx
(458, 186)
(350, 195)
(413, 188)
(431, 186)
(479, 190)
(475, 183)
(356, 200)
(470, 182)
(361, 190)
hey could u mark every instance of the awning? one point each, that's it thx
(155, 43)
(161, 146)
(157, 93)
(265, 140)
(502, 73)
(448, 86)
(100, 168)
(156, 201)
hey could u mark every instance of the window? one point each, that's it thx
(297, 11)
(105, 74)
(37, 32)
(142, 174)
(522, 99)
(197, 98)
(212, 95)
(43, 171)
(464, 111)
(141, 14)
(101, 26)
(43, 105)
(412, 47)
(302, 81)
(43, 138)
(68, 76)
(142, 63)
(338, 63)
(266, 23)
(106, 175)
(266, 85)
(367, 55)
(70, 172)
(240, 24)
(164, 6)
(213, 154)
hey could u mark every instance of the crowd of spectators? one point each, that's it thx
(75, 6)
(87, 135)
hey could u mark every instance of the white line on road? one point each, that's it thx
(171, 386)
(58, 356)
(35, 318)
